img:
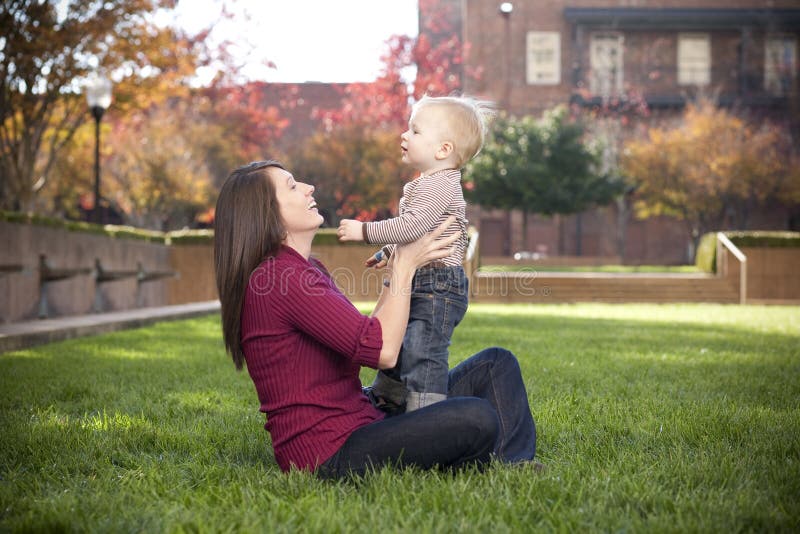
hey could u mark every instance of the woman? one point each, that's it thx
(304, 344)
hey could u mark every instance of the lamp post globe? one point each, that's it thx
(505, 10)
(98, 97)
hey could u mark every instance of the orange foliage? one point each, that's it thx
(356, 172)
(242, 111)
(160, 180)
(355, 163)
(49, 48)
(710, 168)
(438, 56)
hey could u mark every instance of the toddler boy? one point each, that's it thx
(443, 134)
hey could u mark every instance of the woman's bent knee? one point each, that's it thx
(506, 357)
(482, 419)
(501, 358)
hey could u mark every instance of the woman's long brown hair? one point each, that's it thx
(247, 229)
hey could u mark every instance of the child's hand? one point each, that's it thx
(377, 260)
(350, 230)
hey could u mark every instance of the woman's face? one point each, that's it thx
(298, 208)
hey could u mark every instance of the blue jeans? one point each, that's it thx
(487, 414)
(439, 298)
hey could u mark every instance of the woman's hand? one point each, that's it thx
(393, 304)
(425, 249)
(377, 260)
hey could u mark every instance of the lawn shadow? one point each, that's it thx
(146, 394)
(703, 406)
(172, 391)
(680, 426)
(686, 361)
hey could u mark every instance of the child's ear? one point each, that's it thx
(445, 150)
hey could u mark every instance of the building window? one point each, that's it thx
(605, 58)
(780, 64)
(544, 58)
(694, 59)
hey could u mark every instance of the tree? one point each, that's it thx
(69, 179)
(48, 48)
(438, 53)
(539, 166)
(355, 161)
(161, 180)
(353, 171)
(608, 125)
(162, 163)
(241, 125)
(711, 168)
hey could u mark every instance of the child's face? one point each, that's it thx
(422, 142)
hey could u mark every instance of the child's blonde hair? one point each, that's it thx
(467, 122)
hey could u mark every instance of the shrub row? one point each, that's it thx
(765, 239)
(326, 236)
(706, 257)
(180, 237)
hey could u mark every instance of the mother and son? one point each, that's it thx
(304, 342)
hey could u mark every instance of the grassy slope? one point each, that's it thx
(667, 418)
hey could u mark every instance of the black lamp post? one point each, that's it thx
(505, 10)
(98, 96)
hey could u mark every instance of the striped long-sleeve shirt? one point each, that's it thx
(427, 201)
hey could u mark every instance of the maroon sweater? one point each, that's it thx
(304, 344)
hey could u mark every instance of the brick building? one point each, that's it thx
(537, 54)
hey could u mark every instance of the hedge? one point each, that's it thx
(179, 237)
(109, 230)
(706, 259)
(765, 239)
(326, 237)
(190, 237)
(706, 256)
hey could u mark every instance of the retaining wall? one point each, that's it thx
(549, 261)
(194, 281)
(773, 273)
(73, 256)
(184, 273)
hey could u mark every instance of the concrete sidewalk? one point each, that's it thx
(21, 335)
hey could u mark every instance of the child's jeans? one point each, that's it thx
(439, 301)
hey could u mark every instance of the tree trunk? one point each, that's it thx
(525, 230)
(507, 241)
(622, 226)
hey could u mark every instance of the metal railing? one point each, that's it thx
(722, 264)
(472, 259)
(472, 247)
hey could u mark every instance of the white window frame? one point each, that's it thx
(606, 64)
(543, 58)
(780, 73)
(694, 59)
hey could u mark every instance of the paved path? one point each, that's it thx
(15, 336)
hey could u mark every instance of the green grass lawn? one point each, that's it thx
(651, 418)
